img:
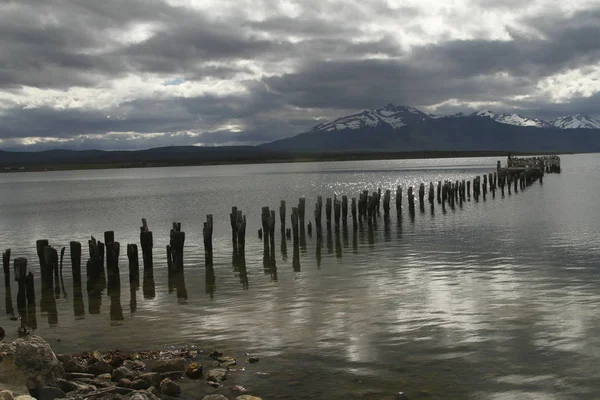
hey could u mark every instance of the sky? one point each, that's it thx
(134, 74)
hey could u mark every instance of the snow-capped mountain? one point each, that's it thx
(512, 119)
(575, 122)
(391, 115)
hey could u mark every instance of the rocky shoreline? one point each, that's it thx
(29, 368)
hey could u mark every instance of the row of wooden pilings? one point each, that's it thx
(365, 207)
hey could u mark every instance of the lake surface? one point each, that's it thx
(498, 299)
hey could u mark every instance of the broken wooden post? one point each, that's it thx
(398, 199)
(344, 210)
(328, 206)
(75, 252)
(241, 233)
(411, 199)
(301, 210)
(378, 199)
(207, 233)
(20, 271)
(337, 211)
(6, 267)
(177, 241)
(134, 264)
(431, 193)
(386, 203)
(353, 211)
(233, 222)
(282, 216)
(272, 233)
(147, 243)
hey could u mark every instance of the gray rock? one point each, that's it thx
(172, 364)
(70, 386)
(172, 375)
(117, 362)
(214, 397)
(124, 382)
(99, 368)
(170, 388)
(194, 371)
(143, 395)
(6, 395)
(152, 378)
(226, 361)
(98, 383)
(135, 365)
(50, 393)
(28, 363)
(247, 397)
(253, 360)
(79, 375)
(24, 397)
(139, 384)
(123, 372)
(73, 365)
(217, 375)
(63, 358)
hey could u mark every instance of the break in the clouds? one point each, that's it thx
(125, 74)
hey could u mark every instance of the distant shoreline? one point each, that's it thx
(280, 158)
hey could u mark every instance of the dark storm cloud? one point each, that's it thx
(470, 70)
(332, 63)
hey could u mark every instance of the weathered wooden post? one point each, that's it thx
(147, 243)
(439, 192)
(301, 210)
(20, 270)
(328, 206)
(318, 208)
(207, 233)
(241, 233)
(233, 222)
(134, 264)
(177, 241)
(337, 211)
(386, 203)
(422, 196)
(516, 179)
(30, 289)
(294, 220)
(113, 250)
(272, 220)
(411, 199)
(431, 193)
(281, 216)
(398, 199)
(6, 267)
(7, 288)
(353, 210)
(344, 210)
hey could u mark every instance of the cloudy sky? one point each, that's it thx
(125, 74)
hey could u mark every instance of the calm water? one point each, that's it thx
(497, 300)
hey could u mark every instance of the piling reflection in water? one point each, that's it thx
(338, 243)
(78, 306)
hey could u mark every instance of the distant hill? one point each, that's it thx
(160, 155)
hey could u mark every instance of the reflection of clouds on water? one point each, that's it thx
(501, 287)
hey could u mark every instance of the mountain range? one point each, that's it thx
(389, 131)
(403, 128)
(397, 116)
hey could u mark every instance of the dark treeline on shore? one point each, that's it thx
(190, 155)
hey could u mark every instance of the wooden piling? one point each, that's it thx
(386, 203)
(20, 270)
(337, 211)
(353, 210)
(6, 267)
(344, 210)
(328, 207)
(281, 216)
(207, 234)
(233, 223)
(147, 243)
(398, 199)
(134, 264)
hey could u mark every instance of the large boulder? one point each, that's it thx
(28, 363)
(172, 364)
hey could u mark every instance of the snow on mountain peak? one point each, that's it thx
(390, 115)
(576, 121)
(512, 119)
